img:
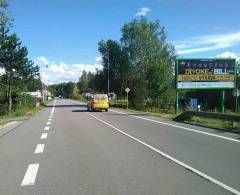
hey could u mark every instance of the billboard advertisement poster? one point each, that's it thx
(205, 73)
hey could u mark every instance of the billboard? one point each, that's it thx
(205, 73)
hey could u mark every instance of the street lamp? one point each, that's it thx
(108, 80)
(107, 57)
(42, 80)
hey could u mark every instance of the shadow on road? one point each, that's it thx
(67, 105)
(85, 110)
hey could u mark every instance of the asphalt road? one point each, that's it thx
(66, 150)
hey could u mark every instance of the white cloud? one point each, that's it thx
(143, 11)
(53, 73)
(207, 43)
(42, 60)
(203, 49)
(98, 59)
(229, 54)
(181, 46)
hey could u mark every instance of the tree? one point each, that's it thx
(151, 61)
(34, 84)
(83, 82)
(68, 89)
(64, 89)
(13, 59)
(115, 58)
(3, 12)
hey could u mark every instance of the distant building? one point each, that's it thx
(38, 94)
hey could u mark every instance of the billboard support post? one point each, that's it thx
(177, 102)
(236, 100)
(222, 101)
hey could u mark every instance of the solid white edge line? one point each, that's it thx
(46, 128)
(44, 136)
(201, 174)
(39, 149)
(30, 175)
(180, 127)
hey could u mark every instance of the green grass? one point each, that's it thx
(118, 103)
(214, 123)
(21, 113)
(164, 113)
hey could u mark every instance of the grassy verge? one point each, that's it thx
(201, 121)
(160, 114)
(20, 114)
(214, 123)
(122, 104)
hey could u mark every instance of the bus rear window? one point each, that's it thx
(100, 97)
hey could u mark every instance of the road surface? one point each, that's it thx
(66, 150)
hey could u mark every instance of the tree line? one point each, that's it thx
(18, 73)
(142, 60)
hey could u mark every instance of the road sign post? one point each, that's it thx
(127, 91)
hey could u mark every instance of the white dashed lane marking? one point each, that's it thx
(39, 149)
(46, 128)
(44, 136)
(48, 123)
(30, 175)
(32, 170)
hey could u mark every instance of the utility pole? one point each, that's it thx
(108, 80)
(42, 80)
(42, 90)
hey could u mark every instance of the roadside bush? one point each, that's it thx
(23, 101)
(3, 108)
(75, 96)
(3, 104)
(78, 97)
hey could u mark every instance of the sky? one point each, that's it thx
(64, 34)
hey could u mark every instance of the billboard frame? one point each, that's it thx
(204, 88)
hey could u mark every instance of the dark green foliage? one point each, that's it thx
(142, 61)
(212, 98)
(23, 101)
(115, 57)
(33, 85)
(83, 84)
(3, 103)
(63, 89)
(151, 63)
(19, 70)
